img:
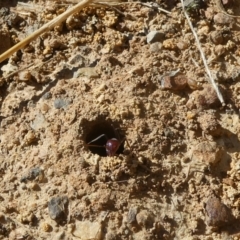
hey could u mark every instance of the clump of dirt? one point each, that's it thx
(110, 128)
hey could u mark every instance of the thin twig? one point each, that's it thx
(27, 67)
(220, 97)
(48, 26)
(222, 9)
(27, 8)
(154, 5)
(149, 5)
(115, 3)
(19, 70)
(56, 21)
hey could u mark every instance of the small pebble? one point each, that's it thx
(39, 122)
(205, 99)
(155, 47)
(8, 68)
(30, 138)
(193, 84)
(222, 19)
(154, 36)
(47, 95)
(219, 50)
(206, 152)
(44, 108)
(208, 97)
(24, 76)
(87, 230)
(191, 115)
(77, 61)
(182, 45)
(35, 187)
(89, 72)
(174, 83)
(170, 44)
(216, 37)
(33, 174)
(57, 208)
(56, 44)
(218, 214)
(47, 51)
(131, 217)
(209, 123)
(61, 103)
(230, 45)
(46, 227)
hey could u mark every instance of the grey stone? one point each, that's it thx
(216, 37)
(32, 174)
(155, 47)
(154, 36)
(222, 19)
(39, 122)
(77, 61)
(218, 214)
(47, 95)
(131, 217)
(58, 208)
(61, 103)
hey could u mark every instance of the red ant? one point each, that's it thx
(112, 145)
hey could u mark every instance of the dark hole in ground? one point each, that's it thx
(98, 129)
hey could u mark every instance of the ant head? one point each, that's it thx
(112, 146)
(99, 139)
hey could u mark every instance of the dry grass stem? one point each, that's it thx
(152, 5)
(19, 70)
(50, 25)
(117, 3)
(27, 8)
(220, 97)
(58, 20)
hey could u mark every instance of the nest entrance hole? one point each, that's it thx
(99, 128)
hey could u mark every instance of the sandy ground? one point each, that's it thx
(130, 73)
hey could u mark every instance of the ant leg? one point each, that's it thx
(92, 145)
(129, 146)
(121, 142)
(102, 135)
(115, 132)
(118, 137)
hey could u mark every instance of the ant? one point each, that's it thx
(112, 145)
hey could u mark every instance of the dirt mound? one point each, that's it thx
(126, 80)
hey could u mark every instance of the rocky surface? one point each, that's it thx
(131, 73)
